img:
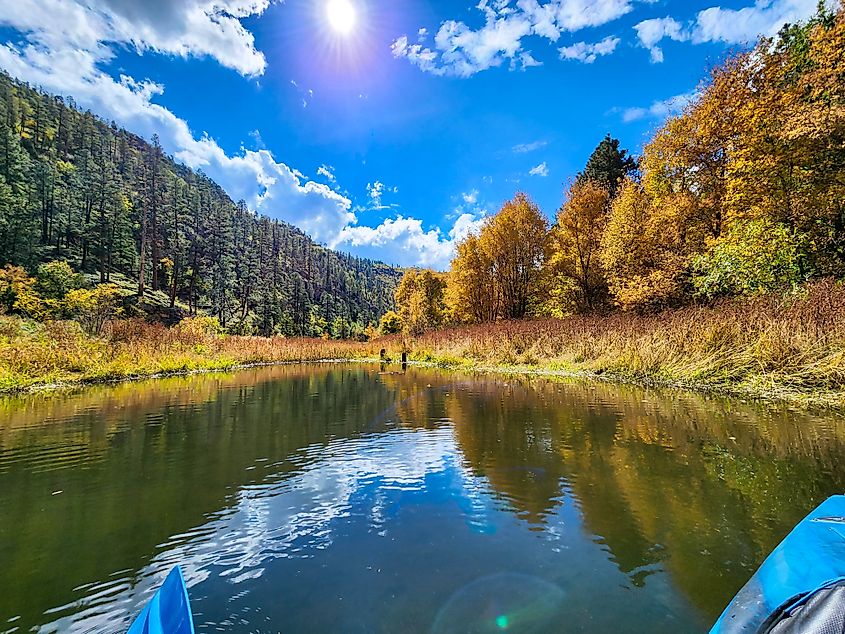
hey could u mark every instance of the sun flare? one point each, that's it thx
(341, 15)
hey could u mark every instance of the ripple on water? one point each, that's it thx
(274, 519)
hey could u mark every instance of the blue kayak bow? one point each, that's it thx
(169, 611)
(809, 561)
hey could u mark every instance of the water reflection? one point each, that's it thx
(330, 498)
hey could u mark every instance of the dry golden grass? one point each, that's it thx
(33, 353)
(765, 345)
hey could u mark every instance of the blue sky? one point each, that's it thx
(393, 136)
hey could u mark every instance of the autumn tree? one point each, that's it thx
(93, 308)
(641, 266)
(390, 323)
(786, 165)
(17, 292)
(419, 300)
(515, 241)
(498, 274)
(575, 275)
(472, 295)
(661, 221)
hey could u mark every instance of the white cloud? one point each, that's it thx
(189, 28)
(470, 197)
(659, 109)
(746, 24)
(375, 191)
(541, 170)
(526, 61)
(730, 26)
(461, 51)
(327, 172)
(525, 148)
(406, 242)
(650, 32)
(589, 53)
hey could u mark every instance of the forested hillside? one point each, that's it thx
(75, 188)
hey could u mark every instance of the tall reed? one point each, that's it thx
(768, 343)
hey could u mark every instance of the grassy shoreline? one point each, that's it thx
(786, 348)
(789, 349)
(831, 399)
(802, 399)
(37, 356)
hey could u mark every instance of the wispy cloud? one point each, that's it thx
(541, 170)
(589, 53)
(376, 191)
(327, 172)
(659, 109)
(525, 148)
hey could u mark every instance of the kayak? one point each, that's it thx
(801, 585)
(169, 611)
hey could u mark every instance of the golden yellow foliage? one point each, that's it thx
(17, 293)
(574, 272)
(641, 265)
(472, 294)
(764, 140)
(498, 274)
(419, 299)
(92, 308)
(515, 241)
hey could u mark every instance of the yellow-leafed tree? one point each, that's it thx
(515, 240)
(472, 295)
(419, 301)
(575, 275)
(499, 273)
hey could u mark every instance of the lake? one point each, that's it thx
(337, 498)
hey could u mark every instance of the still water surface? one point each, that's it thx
(334, 498)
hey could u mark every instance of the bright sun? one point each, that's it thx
(341, 14)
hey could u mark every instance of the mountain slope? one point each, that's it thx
(74, 187)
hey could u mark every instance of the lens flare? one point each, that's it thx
(500, 603)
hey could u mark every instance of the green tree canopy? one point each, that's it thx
(608, 166)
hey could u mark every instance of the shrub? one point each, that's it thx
(390, 323)
(93, 308)
(17, 293)
(56, 279)
(199, 328)
(752, 258)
